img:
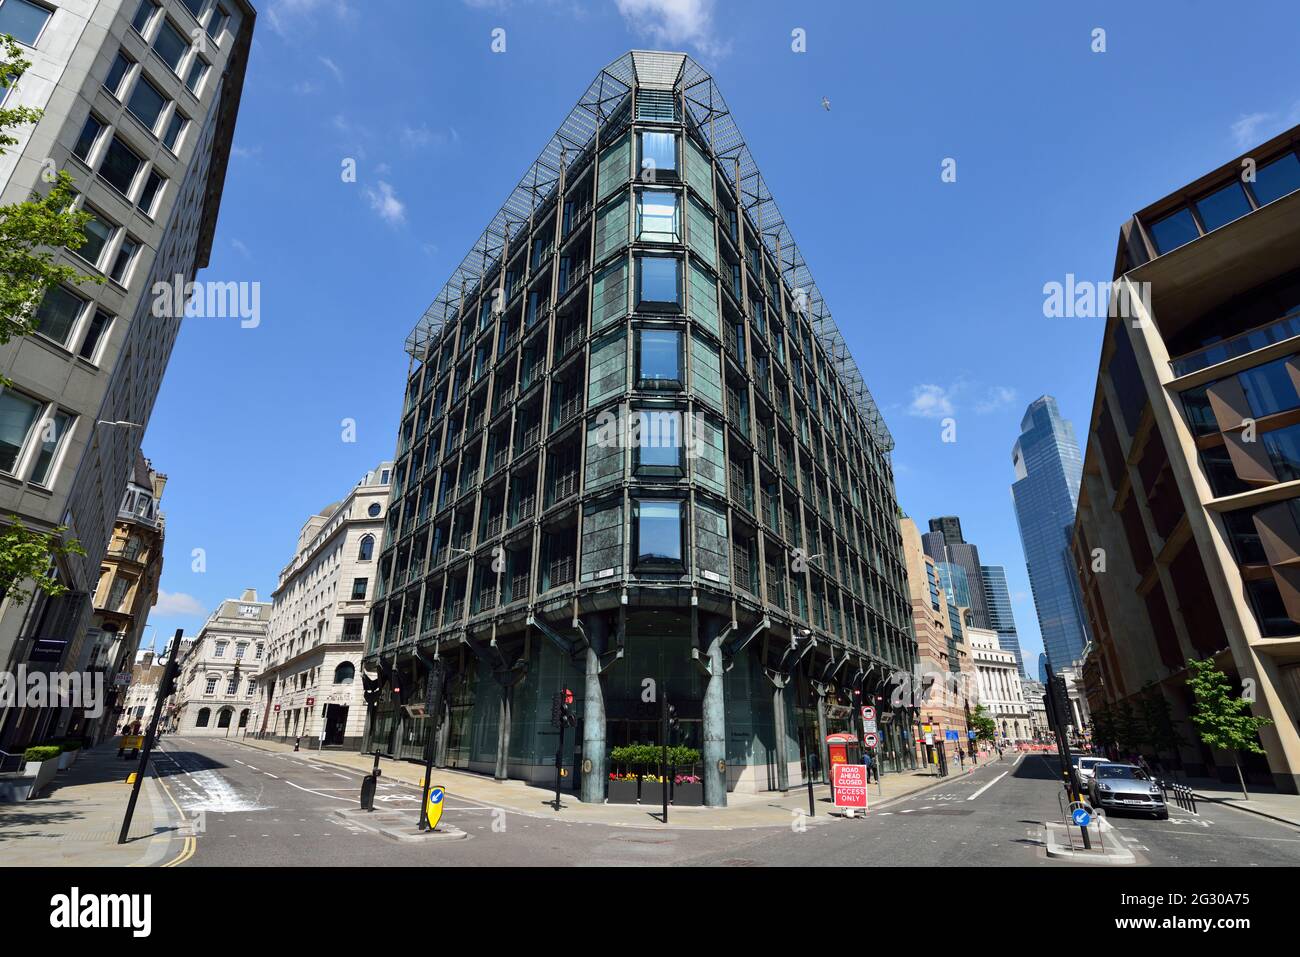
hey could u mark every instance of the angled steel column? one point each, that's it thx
(715, 718)
(778, 723)
(593, 713)
(503, 731)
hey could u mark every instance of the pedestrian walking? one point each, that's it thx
(961, 757)
(869, 762)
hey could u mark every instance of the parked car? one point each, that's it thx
(1085, 766)
(1126, 787)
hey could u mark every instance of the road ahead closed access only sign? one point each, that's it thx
(850, 782)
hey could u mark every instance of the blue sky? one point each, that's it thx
(937, 286)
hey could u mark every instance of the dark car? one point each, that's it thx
(1126, 787)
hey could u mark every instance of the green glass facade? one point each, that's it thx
(635, 459)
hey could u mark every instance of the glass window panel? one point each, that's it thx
(94, 334)
(170, 45)
(1174, 231)
(146, 103)
(52, 432)
(1276, 179)
(120, 166)
(198, 70)
(23, 20)
(98, 234)
(17, 415)
(1222, 207)
(1244, 537)
(1284, 450)
(143, 14)
(659, 151)
(1200, 416)
(122, 261)
(1269, 388)
(195, 6)
(661, 358)
(217, 22)
(86, 141)
(659, 442)
(659, 530)
(660, 280)
(1270, 611)
(148, 196)
(1220, 472)
(113, 82)
(657, 217)
(57, 314)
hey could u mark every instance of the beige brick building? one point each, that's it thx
(220, 671)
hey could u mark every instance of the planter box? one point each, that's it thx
(688, 795)
(621, 792)
(42, 773)
(652, 793)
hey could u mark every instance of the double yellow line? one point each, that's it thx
(191, 844)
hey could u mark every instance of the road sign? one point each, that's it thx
(870, 739)
(1081, 817)
(310, 702)
(277, 707)
(929, 738)
(971, 735)
(951, 735)
(433, 809)
(868, 714)
(850, 781)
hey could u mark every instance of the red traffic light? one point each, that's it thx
(568, 696)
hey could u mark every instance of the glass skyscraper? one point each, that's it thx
(1046, 491)
(1001, 618)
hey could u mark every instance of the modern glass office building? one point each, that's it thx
(636, 458)
(1046, 491)
(1001, 618)
(1191, 488)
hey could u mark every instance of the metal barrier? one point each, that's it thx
(1184, 796)
(11, 762)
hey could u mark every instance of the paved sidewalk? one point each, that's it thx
(1264, 802)
(766, 809)
(77, 822)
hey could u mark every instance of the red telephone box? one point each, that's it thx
(843, 748)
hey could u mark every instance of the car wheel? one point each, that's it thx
(1162, 815)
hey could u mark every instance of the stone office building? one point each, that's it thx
(218, 675)
(1187, 538)
(636, 459)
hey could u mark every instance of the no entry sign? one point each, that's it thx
(850, 782)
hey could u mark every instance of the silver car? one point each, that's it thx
(1126, 787)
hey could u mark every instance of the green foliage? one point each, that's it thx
(27, 554)
(42, 752)
(71, 744)
(645, 757)
(1222, 718)
(1130, 731)
(31, 231)
(1103, 728)
(983, 725)
(1162, 732)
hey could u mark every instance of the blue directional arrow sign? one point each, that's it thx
(1081, 817)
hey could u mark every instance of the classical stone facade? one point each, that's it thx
(310, 687)
(1000, 690)
(219, 673)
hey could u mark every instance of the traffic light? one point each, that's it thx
(557, 709)
(673, 721)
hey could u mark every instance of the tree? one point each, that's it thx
(1103, 729)
(1157, 716)
(26, 554)
(1128, 726)
(985, 727)
(1223, 719)
(30, 231)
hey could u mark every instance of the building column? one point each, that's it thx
(594, 770)
(715, 718)
(778, 724)
(823, 752)
(503, 731)
(443, 736)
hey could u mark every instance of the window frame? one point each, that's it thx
(660, 385)
(656, 305)
(658, 563)
(49, 16)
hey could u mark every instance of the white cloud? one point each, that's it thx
(177, 603)
(931, 402)
(304, 87)
(239, 247)
(384, 201)
(674, 23)
(286, 14)
(332, 67)
(418, 137)
(246, 152)
(1244, 130)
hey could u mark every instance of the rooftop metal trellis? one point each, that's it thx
(709, 115)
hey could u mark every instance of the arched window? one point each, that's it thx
(224, 716)
(344, 673)
(243, 718)
(205, 714)
(367, 549)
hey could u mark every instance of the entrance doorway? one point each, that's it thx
(336, 723)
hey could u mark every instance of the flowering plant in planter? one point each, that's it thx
(688, 779)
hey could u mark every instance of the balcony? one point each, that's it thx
(524, 508)
(1279, 330)
(494, 525)
(519, 586)
(489, 597)
(565, 485)
(561, 571)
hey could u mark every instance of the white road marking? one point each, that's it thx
(989, 785)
